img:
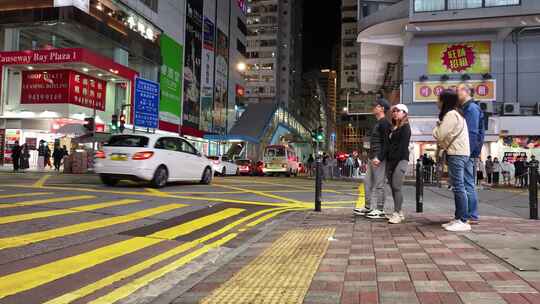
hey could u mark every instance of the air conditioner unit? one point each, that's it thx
(486, 106)
(511, 108)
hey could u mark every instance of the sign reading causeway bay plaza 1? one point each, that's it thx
(40, 56)
(473, 57)
(429, 91)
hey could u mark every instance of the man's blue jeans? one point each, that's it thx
(456, 170)
(472, 196)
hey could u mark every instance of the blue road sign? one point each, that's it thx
(146, 104)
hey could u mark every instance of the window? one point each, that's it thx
(187, 147)
(501, 2)
(429, 5)
(128, 141)
(242, 26)
(241, 48)
(462, 4)
(167, 143)
(152, 4)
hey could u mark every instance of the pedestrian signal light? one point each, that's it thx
(122, 123)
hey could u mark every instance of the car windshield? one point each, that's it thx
(213, 157)
(128, 141)
(275, 152)
(243, 162)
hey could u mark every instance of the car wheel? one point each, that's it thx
(160, 177)
(108, 181)
(224, 171)
(206, 177)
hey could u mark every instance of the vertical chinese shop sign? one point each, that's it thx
(192, 69)
(170, 78)
(221, 90)
(207, 90)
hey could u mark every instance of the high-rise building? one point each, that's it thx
(274, 51)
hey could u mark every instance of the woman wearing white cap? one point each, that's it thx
(398, 157)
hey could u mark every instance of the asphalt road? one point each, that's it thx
(69, 239)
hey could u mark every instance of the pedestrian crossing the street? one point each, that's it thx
(114, 266)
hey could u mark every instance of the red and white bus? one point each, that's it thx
(280, 159)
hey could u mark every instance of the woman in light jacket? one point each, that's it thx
(452, 137)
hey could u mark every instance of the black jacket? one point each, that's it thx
(379, 139)
(398, 144)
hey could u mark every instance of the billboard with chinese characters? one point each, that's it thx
(473, 57)
(63, 86)
(221, 91)
(429, 91)
(192, 66)
(146, 104)
(170, 78)
(207, 82)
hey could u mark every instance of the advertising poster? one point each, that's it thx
(221, 90)
(170, 79)
(207, 90)
(472, 57)
(192, 69)
(429, 91)
(11, 136)
(63, 86)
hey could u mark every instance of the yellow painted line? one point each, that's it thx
(121, 275)
(157, 193)
(339, 203)
(44, 214)
(23, 195)
(206, 199)
(207, 192)
(189, 227)
(41, 182)
(138, 283)
(260, 193)
(267, 217)
(25, 239)
(46, 201)
(280, 274)
(361, 201)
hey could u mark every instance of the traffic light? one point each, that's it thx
(320, 134)
(114, 123)
(89, 124)
(122, 123)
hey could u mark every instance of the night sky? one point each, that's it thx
(321, 32)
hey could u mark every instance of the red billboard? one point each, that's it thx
(63, 86)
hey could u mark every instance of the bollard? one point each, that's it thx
(318, 184)
(533, 191)
(419, 188)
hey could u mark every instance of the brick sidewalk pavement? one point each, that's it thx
(415, 262)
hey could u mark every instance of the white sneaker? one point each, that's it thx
(362, 211)
(449, 223)
(376, 214)
(458, 226)
(396, 218)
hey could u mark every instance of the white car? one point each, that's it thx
(151, 157)
(223, 166)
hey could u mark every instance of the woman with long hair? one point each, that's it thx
(398, 157)
(452, 138)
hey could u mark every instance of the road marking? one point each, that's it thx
(33, 277)
(41, 182)
(44, 214)
(24, 195)
(157, 193)
(267, 217)
(138, 283)
(361, 201)
(46, 201)
(189, 227)
(121, 275)
(260, 193)
(280, 274)
(206, 192)
(25, 239)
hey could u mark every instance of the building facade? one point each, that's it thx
(65, 62)
(274, 69)
(489, 44)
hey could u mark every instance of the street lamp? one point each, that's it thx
(241, 67)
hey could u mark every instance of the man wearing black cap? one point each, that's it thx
(376, 172)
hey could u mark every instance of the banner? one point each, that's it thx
(207, 91)
(221, 90)
(63, 86)
(192, 70)
(429, 91)
(170, 79)
(472, 57)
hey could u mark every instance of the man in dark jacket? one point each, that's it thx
(376, 166)
(16, 153)
(475, 124)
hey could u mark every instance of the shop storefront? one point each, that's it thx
(48, 94)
